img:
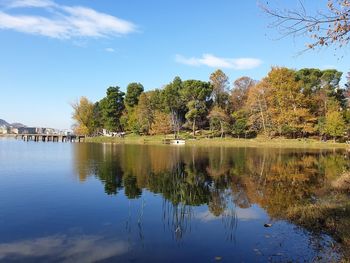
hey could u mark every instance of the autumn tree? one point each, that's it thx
(259, 119)
(239, 97)
(133, 92)
(220, 83)
(83, 114)
(144, 114)
(239, 93)
(326, 27)
(161, 123)
(286, 103)
(112, 107)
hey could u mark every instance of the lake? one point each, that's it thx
(82, 202)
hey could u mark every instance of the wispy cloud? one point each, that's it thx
(61, 21)
(109, 49)
(63, 248)
(219, 62)
(28, 3)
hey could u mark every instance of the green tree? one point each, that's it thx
(133, 92)
(319, 86)
(347, 95)
(156, 99)
(83, 114)
(218, 120)
(96, 121)
(175, 103)
(334, 122)
(130, 121)
(347, 85)
(330, 80)
(197, 94)
(240, 123)
(311, 80)
(131, 190)
(112, 107)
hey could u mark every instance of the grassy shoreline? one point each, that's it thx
(226, 142)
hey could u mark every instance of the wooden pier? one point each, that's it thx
(50, 138)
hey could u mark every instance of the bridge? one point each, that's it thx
(50, 137)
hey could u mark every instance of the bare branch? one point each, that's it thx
(328, 27)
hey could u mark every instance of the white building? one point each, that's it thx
(4, 129)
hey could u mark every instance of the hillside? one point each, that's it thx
(3, 122)
(15, 124)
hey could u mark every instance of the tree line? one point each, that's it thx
(290, 103)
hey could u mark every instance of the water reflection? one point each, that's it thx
(273, 178)
(63, 249)
(227, 181)
(139, 203)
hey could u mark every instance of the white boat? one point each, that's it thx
(177, 142)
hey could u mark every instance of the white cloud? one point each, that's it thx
(239, 213)
(218, 62)
(29, 3)
(109, 49)
(64, 249)
(61, 21)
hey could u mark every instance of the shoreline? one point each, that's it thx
(218, 142)
(226, 142)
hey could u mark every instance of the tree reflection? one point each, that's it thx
(220, 178)
(132, 191)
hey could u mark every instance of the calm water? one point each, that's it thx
(141, 203)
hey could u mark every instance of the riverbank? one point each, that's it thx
(226, 142)
(330, 213)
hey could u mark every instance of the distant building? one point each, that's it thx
(39, 130)
(14, 130)
(50, 131)
(31, 130)
(4, 129)
(26, 130)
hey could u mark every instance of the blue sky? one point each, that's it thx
(53, 52)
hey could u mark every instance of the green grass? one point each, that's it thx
(227, 142)
(129, 139)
